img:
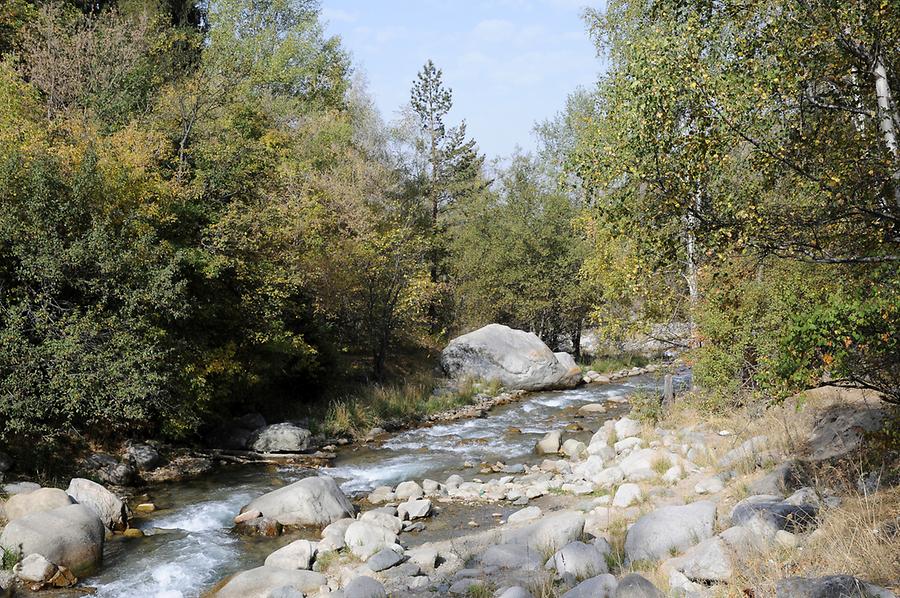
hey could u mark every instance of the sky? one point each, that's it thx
(510, 63)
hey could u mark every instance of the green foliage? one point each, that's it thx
(647, 407)
(9, 558)
(619, 361)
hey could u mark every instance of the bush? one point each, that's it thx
(646, 406)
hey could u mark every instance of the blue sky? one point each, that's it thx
(510, 63)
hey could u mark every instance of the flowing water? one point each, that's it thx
(189, 545)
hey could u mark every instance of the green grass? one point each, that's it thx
(9, 559)
(613, 363)
(484, 589)
(353, 415)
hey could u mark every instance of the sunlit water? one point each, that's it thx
(189, 544)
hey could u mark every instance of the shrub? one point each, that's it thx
(646, 406)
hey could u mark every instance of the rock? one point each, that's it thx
(602, 586)
(235, 434)
(609, 477)
(280, 438)
(111, 510)
(572, 377)
(638, 465)
(627, 495)
(20, 488)
(831, 586)
(285, 592)
(840, 430)
(296, 555)
(712, 485)
(637, 586)
(247, 516)
(408, 490)
(365, 538)
(573, 448)
(430, 487)
(423, 556)
(654, 535)
(42, 499)
(414, 509)
(518, 359)
(384, 559)
(780, 481)
(381, 494)
(708, 561)
(454, 481)
(310, 501)
(70, 537)
(463, 586)
(143, 456)
(133, 532)
(149, 507)
(518, 557)
(549, 444)
(774, 513)
(35, 568)
(579, 559)
(260, 526)
(744, 542)
(110, 470)
(515, 592)
(549, 533)
(748, 452)
(63, 578)
(6, 462)
(364, 587)
(384, 519)
(592, 409)
(786, 539)
(259, 582)
(627, 427)
(523, 515)
(333, 535)
(627, 444)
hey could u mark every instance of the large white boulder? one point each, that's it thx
(365, 538)
(109, 508)
(42, 499)
(549, 533)
(70, 536)
(280, 438)
(579, 559)
(677, 528)
(518, 359)
(296, 555)
(260, 582)
(311, 501)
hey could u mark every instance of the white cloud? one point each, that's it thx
(337, 15)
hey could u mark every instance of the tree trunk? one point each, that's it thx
(690, 262)
(887, 118)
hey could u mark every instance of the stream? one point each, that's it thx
(189, 546)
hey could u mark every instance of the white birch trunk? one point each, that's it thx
(887, 118)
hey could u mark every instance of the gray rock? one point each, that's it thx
(384, 519)
(627, 427)
(70, 537)
(775, 513)
(143, 456)
(285, 592)
(364, 587)
(403, 570)
(384, 559)
(627, 495)
(280, 438)
(602, 586)
(518, 359)
(463, 586)
(20, 488)
(549, 444)
(748, 452)
(573, 373)
(654, 535)
(414, 509)
(515, 592)
(263, 580)
(841, 428)
(637, 586)
(111, 510)
(333, 535)
(832, 586)
(310, 501)
(6, 462)
(34, 568)
(296, 555)
(526, 514)
(573, 448)
(549, 533)
(110, 470)
(708, 561)
(512, 556)
(579, 559)
(365, 538)
(408, 490)
(36, 501)
(780, 481)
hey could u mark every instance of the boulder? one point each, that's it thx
(365, 538)
(296, 555)
(20, 488)
(110, 470)
(708, 561)
(34, 568)
(280, 438)
(549, 444)
(515, 592)
(579, 559)
(518, 359)
(841, 428)
(549, 533)
(383, 518)
(748, 452)
(572, 377)
(627, 495)
(143, 456)
(523, 515)
(333, 535)
(414, 509)
(310, 501)
(261, 581)
(408, 490)
(111, 510)
(711, 485)
(831, 586)
(573, 448)
(639, 464)
(70, 537)
(517, 557)
(43, 499)
(602, 586)
(654, 535)
(627, 427)
(784, 478)
(775, 513)
(384, 559)
(364, 587)
(637, 586)
(381, 494)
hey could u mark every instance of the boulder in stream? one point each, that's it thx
(311, 501)
(105, 504)
(263, 580)
(285, 437)
(517, 359)
(36, 501)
